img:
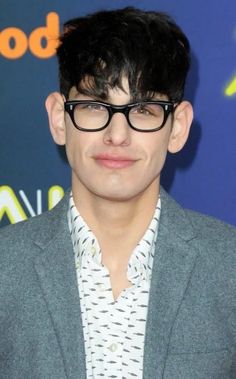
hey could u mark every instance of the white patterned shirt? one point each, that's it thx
(114, 330)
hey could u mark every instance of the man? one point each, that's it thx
(118, 281)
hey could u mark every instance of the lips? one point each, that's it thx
(114, 161)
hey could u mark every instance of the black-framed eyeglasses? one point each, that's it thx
(93, 116)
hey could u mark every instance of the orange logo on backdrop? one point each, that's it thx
(14, 42)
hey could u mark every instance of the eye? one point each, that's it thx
(92, 107)
(143, 109)
(96, 107)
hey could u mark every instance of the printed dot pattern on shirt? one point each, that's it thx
(114, 330)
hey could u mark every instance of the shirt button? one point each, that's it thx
(113, 347)
(102, 287)
(93, 251)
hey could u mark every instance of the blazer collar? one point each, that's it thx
(173, 264)
(55, 269)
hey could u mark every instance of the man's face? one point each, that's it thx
(117, 163)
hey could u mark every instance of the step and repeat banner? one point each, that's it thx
(34, 172)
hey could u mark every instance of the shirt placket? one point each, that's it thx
(98, 312)
(119, 316)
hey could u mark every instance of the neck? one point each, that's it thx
(116, 223)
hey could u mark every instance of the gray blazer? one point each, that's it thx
(191, 325)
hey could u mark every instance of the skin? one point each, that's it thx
(116, 174)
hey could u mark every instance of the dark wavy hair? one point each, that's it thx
(98, 50)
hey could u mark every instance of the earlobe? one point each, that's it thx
(55, 109)
(183, 117)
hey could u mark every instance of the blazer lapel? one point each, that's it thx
(55, 268)
(173, 264)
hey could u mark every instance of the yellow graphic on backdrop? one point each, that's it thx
(13, 205)
(230, 90)
(14, 42)
(10, 205)
(55, 193)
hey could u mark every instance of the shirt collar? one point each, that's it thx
(85, 244)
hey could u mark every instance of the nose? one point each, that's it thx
(118, 131)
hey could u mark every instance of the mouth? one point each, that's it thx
(114, 161)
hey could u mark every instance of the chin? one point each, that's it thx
(118, 196)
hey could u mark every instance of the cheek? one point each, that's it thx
(74, 146)
(79, 146)
(157, 150)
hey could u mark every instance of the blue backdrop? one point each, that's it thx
(33, 171)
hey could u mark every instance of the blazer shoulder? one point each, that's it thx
(191, 225)
(23, 231)
(22, 238)
(216, 241)
(211, 227)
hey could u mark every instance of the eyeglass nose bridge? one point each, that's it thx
(124, 109)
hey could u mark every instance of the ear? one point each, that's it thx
(183, 117)
(55, 109)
